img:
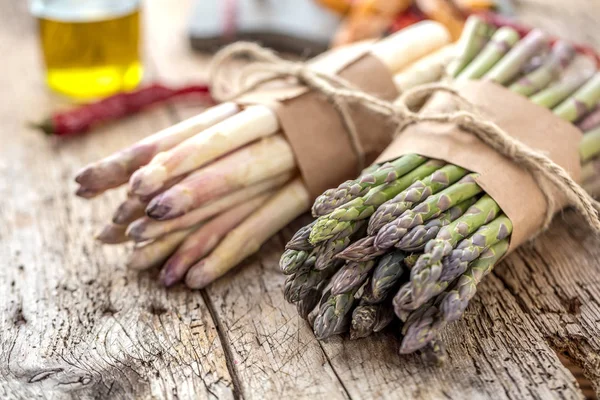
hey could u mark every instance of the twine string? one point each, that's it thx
(340, 94)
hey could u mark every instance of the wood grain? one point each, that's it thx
(74, 323)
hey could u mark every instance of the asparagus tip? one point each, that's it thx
(46, 126)
(148, 179)
(86, 193)
(196, 277)
(168, 277)
(159, 211)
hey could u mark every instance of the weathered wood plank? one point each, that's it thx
(74, 322)
(499, 350)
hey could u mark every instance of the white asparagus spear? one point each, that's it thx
(408, 45)
(201, 242)
(426, 70)
(116, 169)
(148, 255)
(244, 240)
(112, 234)
(147, 228)
(264, 159)
(396, 52)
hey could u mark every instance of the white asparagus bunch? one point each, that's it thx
(215, 187)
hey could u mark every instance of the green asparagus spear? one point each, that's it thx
(510, 65)
(425, 324)
(500, 43)
(416, 193)
(334, 315)
(581, 102)
(589, 147)
(351, 276)
(462, 190)
(454, 302)
(560, 57)
(417, 237)
(292, 260)
(349, 190)
(471, 248)
(456, 263)
(300, 239)
(386, 275)
(427, 269)
(361, 208)
(362, 250)
(371, 318)
(565, 87)
(475, 34)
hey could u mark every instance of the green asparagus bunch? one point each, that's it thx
(411, 239)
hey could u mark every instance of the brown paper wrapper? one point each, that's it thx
(314, 128)
(512, 187)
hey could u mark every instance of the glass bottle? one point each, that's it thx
(91, 48)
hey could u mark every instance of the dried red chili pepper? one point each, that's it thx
(81, 119)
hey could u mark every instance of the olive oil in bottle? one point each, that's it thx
(90, 47)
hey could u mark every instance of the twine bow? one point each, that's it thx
(340, 94)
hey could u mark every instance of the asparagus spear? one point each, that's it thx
(129, 210)
(292, 260)
(265, 159)
(148, 255)
(591, 121)
(146, 228)
(112, 234)
(334, 315)
(244, 240)
(590, 145)
(134, 206)
(426, 325)
(510, 65)
(368, 319)
(349, 190)
(500, 43)
(385, 277)
(366, 249)
(581, 102)
(201, 242)
(454, 302)
(116, 169)
(351, 276)
(362, 250)
(419, 236)
(240, 129)
(300, 239)
(571, 80)
(561, 55)
(434, 205)
(304, 284)
(426, 70)
(360, 208)
(415, 194)
(458, 260)
(473, 38)
(428, 266)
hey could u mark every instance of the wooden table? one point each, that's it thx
(75, 323)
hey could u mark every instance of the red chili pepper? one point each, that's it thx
(81, 119)
(499, 20)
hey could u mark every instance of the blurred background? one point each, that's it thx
(93, 48)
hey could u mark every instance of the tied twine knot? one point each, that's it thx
(341, 93)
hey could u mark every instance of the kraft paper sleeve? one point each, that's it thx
(511, 186)
(314, 128)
